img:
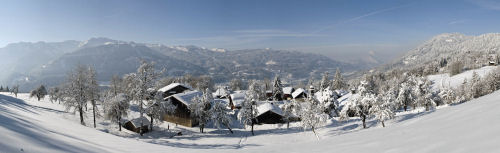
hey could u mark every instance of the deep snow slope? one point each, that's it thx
(441, 81)
(470, 127)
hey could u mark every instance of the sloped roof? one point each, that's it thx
(221, 92)
(137, 121)
(298, 92)
(173, 85)
(187, 97)
(238, 98)
(287, 90)
(265, 107)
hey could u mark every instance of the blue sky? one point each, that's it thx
(331, 27)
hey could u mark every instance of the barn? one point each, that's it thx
(135, 124)
(174, 88)
(236, 99)
(299, 93)
(287, 92)
(182, 114)
(269, 114)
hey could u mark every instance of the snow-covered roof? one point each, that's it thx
(187, 97)
(238, 98)
(298, 92)
(221, 92)
(173, 85)
(137, 121)
(265, 107)
(287, 90)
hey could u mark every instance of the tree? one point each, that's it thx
(325, 83)
(220, 115)
(235, 84)
(75, 91)
(141, 81)
(117, 108)
(338, 81)
(15, 90)
(405, 96)
(55, 94)
(290, 109)
(447, 95)
(382, 108)
(475, 85)
(359, 103)
(92, 91)
(277, 89)
(116, 85)
(40, 92)
(7, 89)
(158, 107)
(200, 108)
(248, 110)
(423, 94)
(313, 115)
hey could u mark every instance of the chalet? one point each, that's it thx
(269, 94)
(221, 93)
(287, 92)
(135, 124)
(182, 114)
(236, 99)
(174, 88)
(299, 93)
(492, 63)
(269, 114)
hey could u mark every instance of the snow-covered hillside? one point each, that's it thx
(31, 126)
(441, 81)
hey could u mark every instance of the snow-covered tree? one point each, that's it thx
(158, 107)
(117, 108)
(423, 94)
(40, 92)
(141, 81)
(338, 81)
(359, 103)
(325, 83)
(313, 116)
(92, 91)
(447, 95)
(115, 85)
(277, 89)
(235, 84)
(291, 109)
(220, 115)
(54, 94)
(405, 96)
(327, 98)
(382, 108)
(15, 90)
(75, 89)
(248, 110)
(475, 85)
(200, 108)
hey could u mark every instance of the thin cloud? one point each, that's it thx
(456, 22)
(486, 4)
(361, 17)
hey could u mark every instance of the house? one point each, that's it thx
(299, 93)
(269, 94)
(287, 92)
(492, 63)
(236, 99)
(174, 88)
(268, 114)
(182, 114)
(135, 124)
(221, 93)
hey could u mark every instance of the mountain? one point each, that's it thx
(472, 51)
(48, 63)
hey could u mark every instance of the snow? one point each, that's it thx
(441, 81)
(137, 121)
(187, 97)
(171, 86)
(298, 92)
(287, 90)
(238, 98)
(43, 126)
(265, 107)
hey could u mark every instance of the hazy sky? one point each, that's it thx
(331, 27)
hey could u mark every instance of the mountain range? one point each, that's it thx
(30, 64)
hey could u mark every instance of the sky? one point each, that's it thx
(337, 28)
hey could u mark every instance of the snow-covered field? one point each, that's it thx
(27, 125)
(441, 81)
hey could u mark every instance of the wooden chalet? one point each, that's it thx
(269, 114)
(182, 114)
(135, 124)
(287, 93)
(299, 93)
(174, 88)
